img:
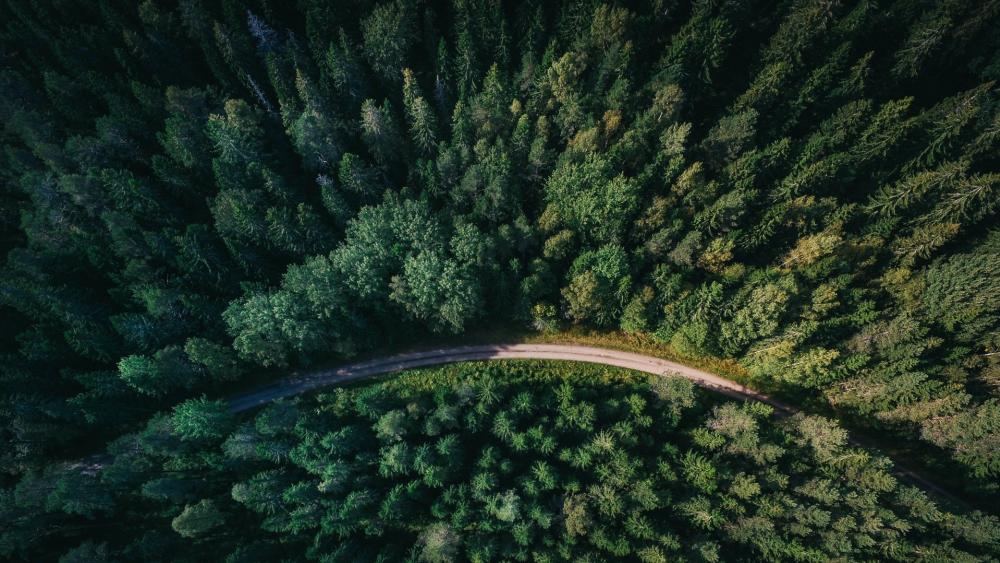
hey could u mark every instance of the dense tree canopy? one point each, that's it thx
(513, 461)
(195, 192)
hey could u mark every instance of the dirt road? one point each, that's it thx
(298, 384)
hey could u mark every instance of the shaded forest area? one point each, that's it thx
(195, 191)
(512, 461)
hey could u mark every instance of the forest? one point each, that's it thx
(500, 461)
(200, 195)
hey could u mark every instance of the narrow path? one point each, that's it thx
(298, 384)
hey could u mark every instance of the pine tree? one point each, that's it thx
(420, 115)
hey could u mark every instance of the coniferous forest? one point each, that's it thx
(200, 195)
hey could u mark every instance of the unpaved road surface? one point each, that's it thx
(298, 384)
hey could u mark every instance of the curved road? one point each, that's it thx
(298, 384)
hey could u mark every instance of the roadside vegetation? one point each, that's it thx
(527, 461)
